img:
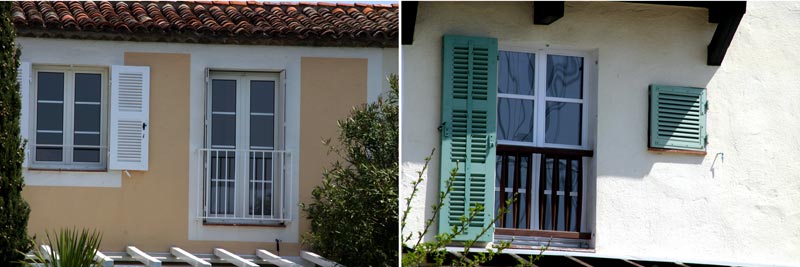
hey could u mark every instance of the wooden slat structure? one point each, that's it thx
(274, 259)
(559, 196)
(188, 257)
(233, 258)
(142, 257)
(318, 260)
(104, 260)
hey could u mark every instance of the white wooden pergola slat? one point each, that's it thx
(274, 259)
(46, 250)
(233, 259)
(104, 260)
(142, 257)
(188, 257)
(317, 259)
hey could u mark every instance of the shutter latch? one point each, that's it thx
(444, 129)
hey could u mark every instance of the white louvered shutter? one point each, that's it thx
(129, 118)
(24, 80)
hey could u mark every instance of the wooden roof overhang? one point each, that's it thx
(727, 15)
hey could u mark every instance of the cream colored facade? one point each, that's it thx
(739, 203)
(158, 208)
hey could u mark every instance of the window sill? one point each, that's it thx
(65, 170)
(267, 225)
(676, 151)
(72, 178)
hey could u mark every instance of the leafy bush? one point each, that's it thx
(354, 211)
(14, 210)
(69, 249)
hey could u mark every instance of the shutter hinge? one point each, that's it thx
(706, 105)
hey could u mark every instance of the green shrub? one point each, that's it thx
(14, 210)
(354, 211)
(69, 249)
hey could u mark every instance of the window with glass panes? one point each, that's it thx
(542, 140)
(69, 118)
(242, 139)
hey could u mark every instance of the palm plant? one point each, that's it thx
(70, 248)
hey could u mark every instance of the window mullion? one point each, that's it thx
(541, 103)
(69, 116)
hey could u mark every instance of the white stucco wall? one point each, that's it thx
(233, 57)
(743, 209)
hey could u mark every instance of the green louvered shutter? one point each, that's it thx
(469, 91)
(677, 117)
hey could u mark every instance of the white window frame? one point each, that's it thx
(242, 143)
(68, 119)
(540, 98)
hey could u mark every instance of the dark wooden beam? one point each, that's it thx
(728, 15)
(547, 12)
(408, 13)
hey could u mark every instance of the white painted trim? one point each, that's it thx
(142, 257)
(233, 258)
(104, 260)
(24, 76)
(318, 260)
(72, 178)
(188, 257)
(272, 258)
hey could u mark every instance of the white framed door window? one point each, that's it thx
(243, 158)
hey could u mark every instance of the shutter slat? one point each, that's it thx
(130, 101)
(677, 117)
(468, 115)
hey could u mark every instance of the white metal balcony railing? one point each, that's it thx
(245, 186)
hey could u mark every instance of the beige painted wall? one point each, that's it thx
(328, 86)
(151, 208)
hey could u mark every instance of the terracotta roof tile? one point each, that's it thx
(240, 22)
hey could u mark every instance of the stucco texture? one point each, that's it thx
(745, 208)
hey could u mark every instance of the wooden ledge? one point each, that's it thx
(677, 151)
(543, 233)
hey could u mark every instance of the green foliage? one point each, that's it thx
(69, 249)
(354, 211)
(419, 253)
(14, 210)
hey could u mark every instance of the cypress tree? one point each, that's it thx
(14, 210)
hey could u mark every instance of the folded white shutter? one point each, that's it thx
(129, 118)
(24, 80)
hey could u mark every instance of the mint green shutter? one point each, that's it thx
(469, 91)
(677, 117)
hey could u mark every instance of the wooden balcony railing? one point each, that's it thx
(548, 183)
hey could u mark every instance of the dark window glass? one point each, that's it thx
(87, 87)
(50, 86)
(262, 131)
(262, 96)
(516, 73)
(515, 119)
(565, 76)
(563, 123)
(223, 95)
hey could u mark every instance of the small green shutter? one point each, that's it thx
(469, 91)
(677, 117)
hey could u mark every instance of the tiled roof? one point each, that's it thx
(238, 22)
